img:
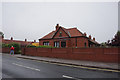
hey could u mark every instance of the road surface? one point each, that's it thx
(13, 67)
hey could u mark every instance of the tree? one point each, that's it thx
(1, 34)
(116, 40)
(103, 44)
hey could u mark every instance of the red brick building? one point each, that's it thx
(22, 43)
(71, 37)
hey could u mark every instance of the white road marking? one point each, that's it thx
(67, 77)
(18, 58)
(91, 68)
(26, 67)
(70, 77)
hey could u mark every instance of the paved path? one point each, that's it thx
(75, 62)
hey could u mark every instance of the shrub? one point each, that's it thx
(16, 46)
(5, 45)
(44, 46)
(31, 46)
(19, 52)
(0, 45)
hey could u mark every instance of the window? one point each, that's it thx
(56, 44)
(46, 43)
(85, 44)
(60, 34)
(63, 44)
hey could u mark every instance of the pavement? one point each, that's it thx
(103, 65)
(16, 68)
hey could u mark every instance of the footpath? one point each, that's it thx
(91, 64)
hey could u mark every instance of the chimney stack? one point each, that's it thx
(2, 36)
(94, 39)
(11, 38)
(89, 36)
(85, 34)
(25, 40)
(57, 26)
(34, 41)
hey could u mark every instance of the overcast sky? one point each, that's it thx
(0, 16)
(34, 20)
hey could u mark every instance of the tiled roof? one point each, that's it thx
(50, 35)
(94, 41)
(16, 41)
(72, 32)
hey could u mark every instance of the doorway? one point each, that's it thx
(63, 44)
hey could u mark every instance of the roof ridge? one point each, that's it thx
(49, 33)
(76, 29)
(70, 32)
(72, 28)
(94, 41)
(66, 31)
(17, 40)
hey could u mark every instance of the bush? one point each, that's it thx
(31, 46)
(43, 46)
(16, 46)
(5, 45)
(0, 45)
(19, 52)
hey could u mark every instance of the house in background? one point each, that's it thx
(22, 43)
(72, 37)
(35, 43)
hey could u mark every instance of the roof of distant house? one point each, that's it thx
(7, 41)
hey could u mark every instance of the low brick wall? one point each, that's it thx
(88, 54)
(5, 50)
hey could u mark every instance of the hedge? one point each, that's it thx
(41, 46)
(15, 45)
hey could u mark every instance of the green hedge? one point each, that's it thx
(43, 46)
(15, 45)
(5, 45)
(31, 46)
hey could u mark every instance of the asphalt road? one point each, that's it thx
(13, 67)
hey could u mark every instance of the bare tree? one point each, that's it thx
(116, 40)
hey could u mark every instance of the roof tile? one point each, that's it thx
(72, 32)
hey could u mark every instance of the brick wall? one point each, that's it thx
(88, 54)
(81, 42)
(5, 50)
(70, 42)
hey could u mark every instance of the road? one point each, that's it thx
(13, 67)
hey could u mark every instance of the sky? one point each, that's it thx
(0, 16)
(33, 20)
(119, 16)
